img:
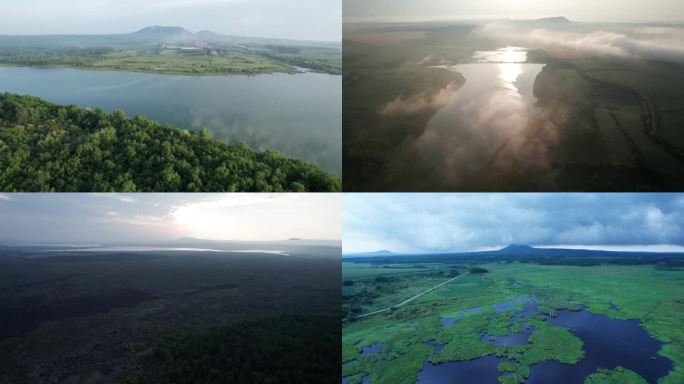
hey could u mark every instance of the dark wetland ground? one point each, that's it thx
(425, 109)
(586, 319)
(164, 316)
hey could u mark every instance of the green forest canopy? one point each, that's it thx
(283, 349)
(48, 147)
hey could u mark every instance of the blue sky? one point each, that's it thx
(416, 223)
(90, 217)
(302, 19)
(579, 10)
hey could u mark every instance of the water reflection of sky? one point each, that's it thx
(501, 55)
(494, 105)
(298, 115)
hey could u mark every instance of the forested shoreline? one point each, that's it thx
(49, 147)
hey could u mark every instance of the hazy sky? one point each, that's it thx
(300, 19)
(416, 223)
(139, 217)
(579, 10)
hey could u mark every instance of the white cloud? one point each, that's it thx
(189, 3)
(260, 216)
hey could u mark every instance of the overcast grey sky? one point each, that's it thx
(579, 10)
(93, 217)
(416, 223)
(300, 19)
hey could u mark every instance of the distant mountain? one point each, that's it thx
(149, 37)
(516, 248)
(517, 252)
(554, 20)
(371, 254)
(158, 30)
(209, 35)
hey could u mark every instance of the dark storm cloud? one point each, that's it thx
(458, 222)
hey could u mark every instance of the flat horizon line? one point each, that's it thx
(438, 19)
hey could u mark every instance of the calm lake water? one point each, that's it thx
(299, 115)
(493, 105)
(608, 343)
(483, 370)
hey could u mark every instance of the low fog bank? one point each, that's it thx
(575, 40)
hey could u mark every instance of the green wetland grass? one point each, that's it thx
(644, 293)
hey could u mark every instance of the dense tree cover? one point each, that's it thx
(283, 349)
(48, 147)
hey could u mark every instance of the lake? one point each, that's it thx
(608, 343)
(299, 115)
(169, 249)
(493, 106)
(483, 370)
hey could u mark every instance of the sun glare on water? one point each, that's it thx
(510, 60)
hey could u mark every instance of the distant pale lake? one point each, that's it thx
(299, 115)
(170, 249)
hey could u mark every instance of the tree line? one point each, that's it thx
(49, 147)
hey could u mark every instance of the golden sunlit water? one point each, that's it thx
(493, 105)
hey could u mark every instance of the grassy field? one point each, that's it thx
(652, 296)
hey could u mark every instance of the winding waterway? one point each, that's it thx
(493, 105)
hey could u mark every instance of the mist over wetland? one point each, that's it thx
(547, 104)
(494, 104)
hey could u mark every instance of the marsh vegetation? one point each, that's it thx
(522, 322)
